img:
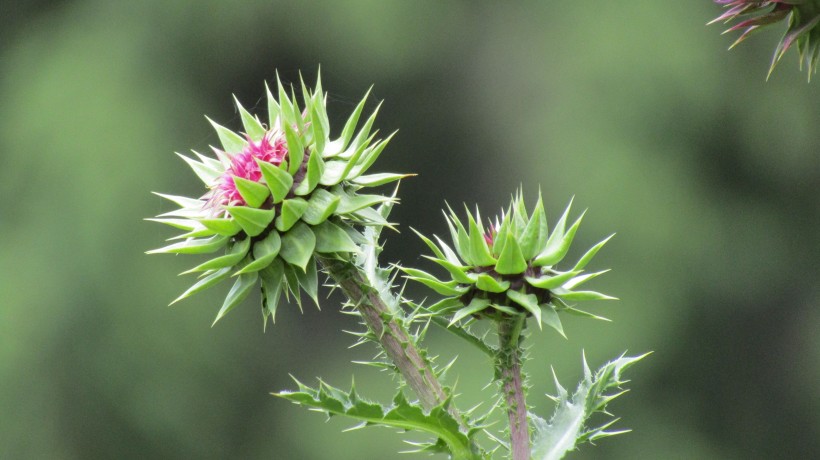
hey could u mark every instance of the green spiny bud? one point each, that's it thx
(278, 194)
(510, 267)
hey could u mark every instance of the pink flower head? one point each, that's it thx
(272, 148)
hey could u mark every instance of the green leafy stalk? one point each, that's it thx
(402, 414)
(568, 427)
(509, 373)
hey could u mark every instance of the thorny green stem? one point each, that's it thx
(392, 336)
(509, 371)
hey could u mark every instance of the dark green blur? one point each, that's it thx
(709, 175)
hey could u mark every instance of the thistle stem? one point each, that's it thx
(392, 336)
(509, 371)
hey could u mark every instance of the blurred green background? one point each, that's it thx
(709, 174)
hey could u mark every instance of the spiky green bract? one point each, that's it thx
(569, 425)
(280, 195)
(509, 268)
(401, 414)
(803, 28)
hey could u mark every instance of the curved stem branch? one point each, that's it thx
(509, 371)
(392, 336)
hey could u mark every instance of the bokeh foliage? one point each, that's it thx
(708, 174)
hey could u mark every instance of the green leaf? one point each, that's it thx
(209, 280)
(273, 108)
(402, 415)
(550, 317)
(332, 238)
(253, 128)
(580, 295)
(272, 278)
(535, 234)
(252, 192)
(296, 149)
(288, 113)
(264, 252)
(350, 124)
(500, 237)
(309, 281)
(487, 283)
(458, 272)
(449, 288)
(290, 213)
(206, 174)
(231, 142)
(253, 221)
(363, 137)
(529, 302)
(374, 180)
(554, 253)
(194, 246)
(460, 238)
(352, 203)
(227, 227)
(235, 255)
(321, 205)
(278, 180)
(182, 224)
(511, 261)
(579, 280)
(569, 425)
(476, 305)
(240, 289)
(587, 257)
(478, 245)
(317, 128)
(429, 244)
(315, 169)
(182, 201)
(559, 241)
(298, 245)
(370, 156)
(551, 282)
(334, 173)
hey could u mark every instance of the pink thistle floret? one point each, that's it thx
(272, 148)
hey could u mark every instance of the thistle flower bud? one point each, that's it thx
(278, 194)
(510, 268)
(803, 25)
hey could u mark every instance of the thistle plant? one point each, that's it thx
(284, 201)
(803, 29)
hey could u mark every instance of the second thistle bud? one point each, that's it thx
(510, 267)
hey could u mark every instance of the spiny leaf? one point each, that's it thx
(252, 192)
(332, 238)
(231, 142)
(253, 221)
(278, 180)
(235, 255)
(290, 213)
(401, 414)
(263, 253)
(240, 290)
(209, 280)
(569, 425)
(298, 245)
(253, 128)
(194, 246)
